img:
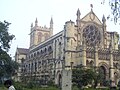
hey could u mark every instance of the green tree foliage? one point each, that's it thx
(7, 65)
(5, 37)
(115, 9)
(82, 76)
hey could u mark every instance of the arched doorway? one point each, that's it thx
(59, 80)
(116, 75)
(102, 72)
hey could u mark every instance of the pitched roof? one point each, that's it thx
(23, 50)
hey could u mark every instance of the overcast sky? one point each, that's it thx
(21, 13)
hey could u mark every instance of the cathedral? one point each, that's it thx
(84, 42)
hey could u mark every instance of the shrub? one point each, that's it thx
(18, 86)
(50, 83)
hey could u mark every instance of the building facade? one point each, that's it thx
(85, 42)
(20, 57)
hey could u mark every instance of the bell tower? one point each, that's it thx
(39, 34)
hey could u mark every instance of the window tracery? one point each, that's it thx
(92, 35)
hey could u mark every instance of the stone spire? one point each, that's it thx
(51, 26)
(78, 13)
(104, 29)
(103, 19)
(78, 17)
(36, 22)
(51, 23)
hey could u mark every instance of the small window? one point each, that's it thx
(34, 54)
(38, 53)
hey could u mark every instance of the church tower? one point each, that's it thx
(39, 34)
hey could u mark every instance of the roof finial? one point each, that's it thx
(91, 5)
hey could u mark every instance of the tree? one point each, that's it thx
(82, 76)
(115, 9)
(98, 77)
(5, 37)
(7, 65)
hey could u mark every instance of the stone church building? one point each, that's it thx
(85, 42)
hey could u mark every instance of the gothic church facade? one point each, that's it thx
(85, 42)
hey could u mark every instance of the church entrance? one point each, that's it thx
(59, 80)
(102, 72)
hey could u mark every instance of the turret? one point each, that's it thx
(104, 30)
(51, 23)
(51, 27)
(70, 27)
(78, 17)
(103, 20)
(78, 14)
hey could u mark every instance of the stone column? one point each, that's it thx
(84, 54)
(96, 56)
(67, 80)
(111, 68)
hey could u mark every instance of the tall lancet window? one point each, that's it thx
(59, 50)
(32, 39)
(39, 37)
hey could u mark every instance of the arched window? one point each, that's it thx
(31, 55)
(49, 48)
(41, 52)
(38, 53)
(45, 50)
(34, 54)
(91, 63)
(87, 63)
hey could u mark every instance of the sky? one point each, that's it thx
(21, 13)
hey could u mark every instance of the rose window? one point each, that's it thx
(92, 35)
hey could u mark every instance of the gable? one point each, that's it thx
(91, 17)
